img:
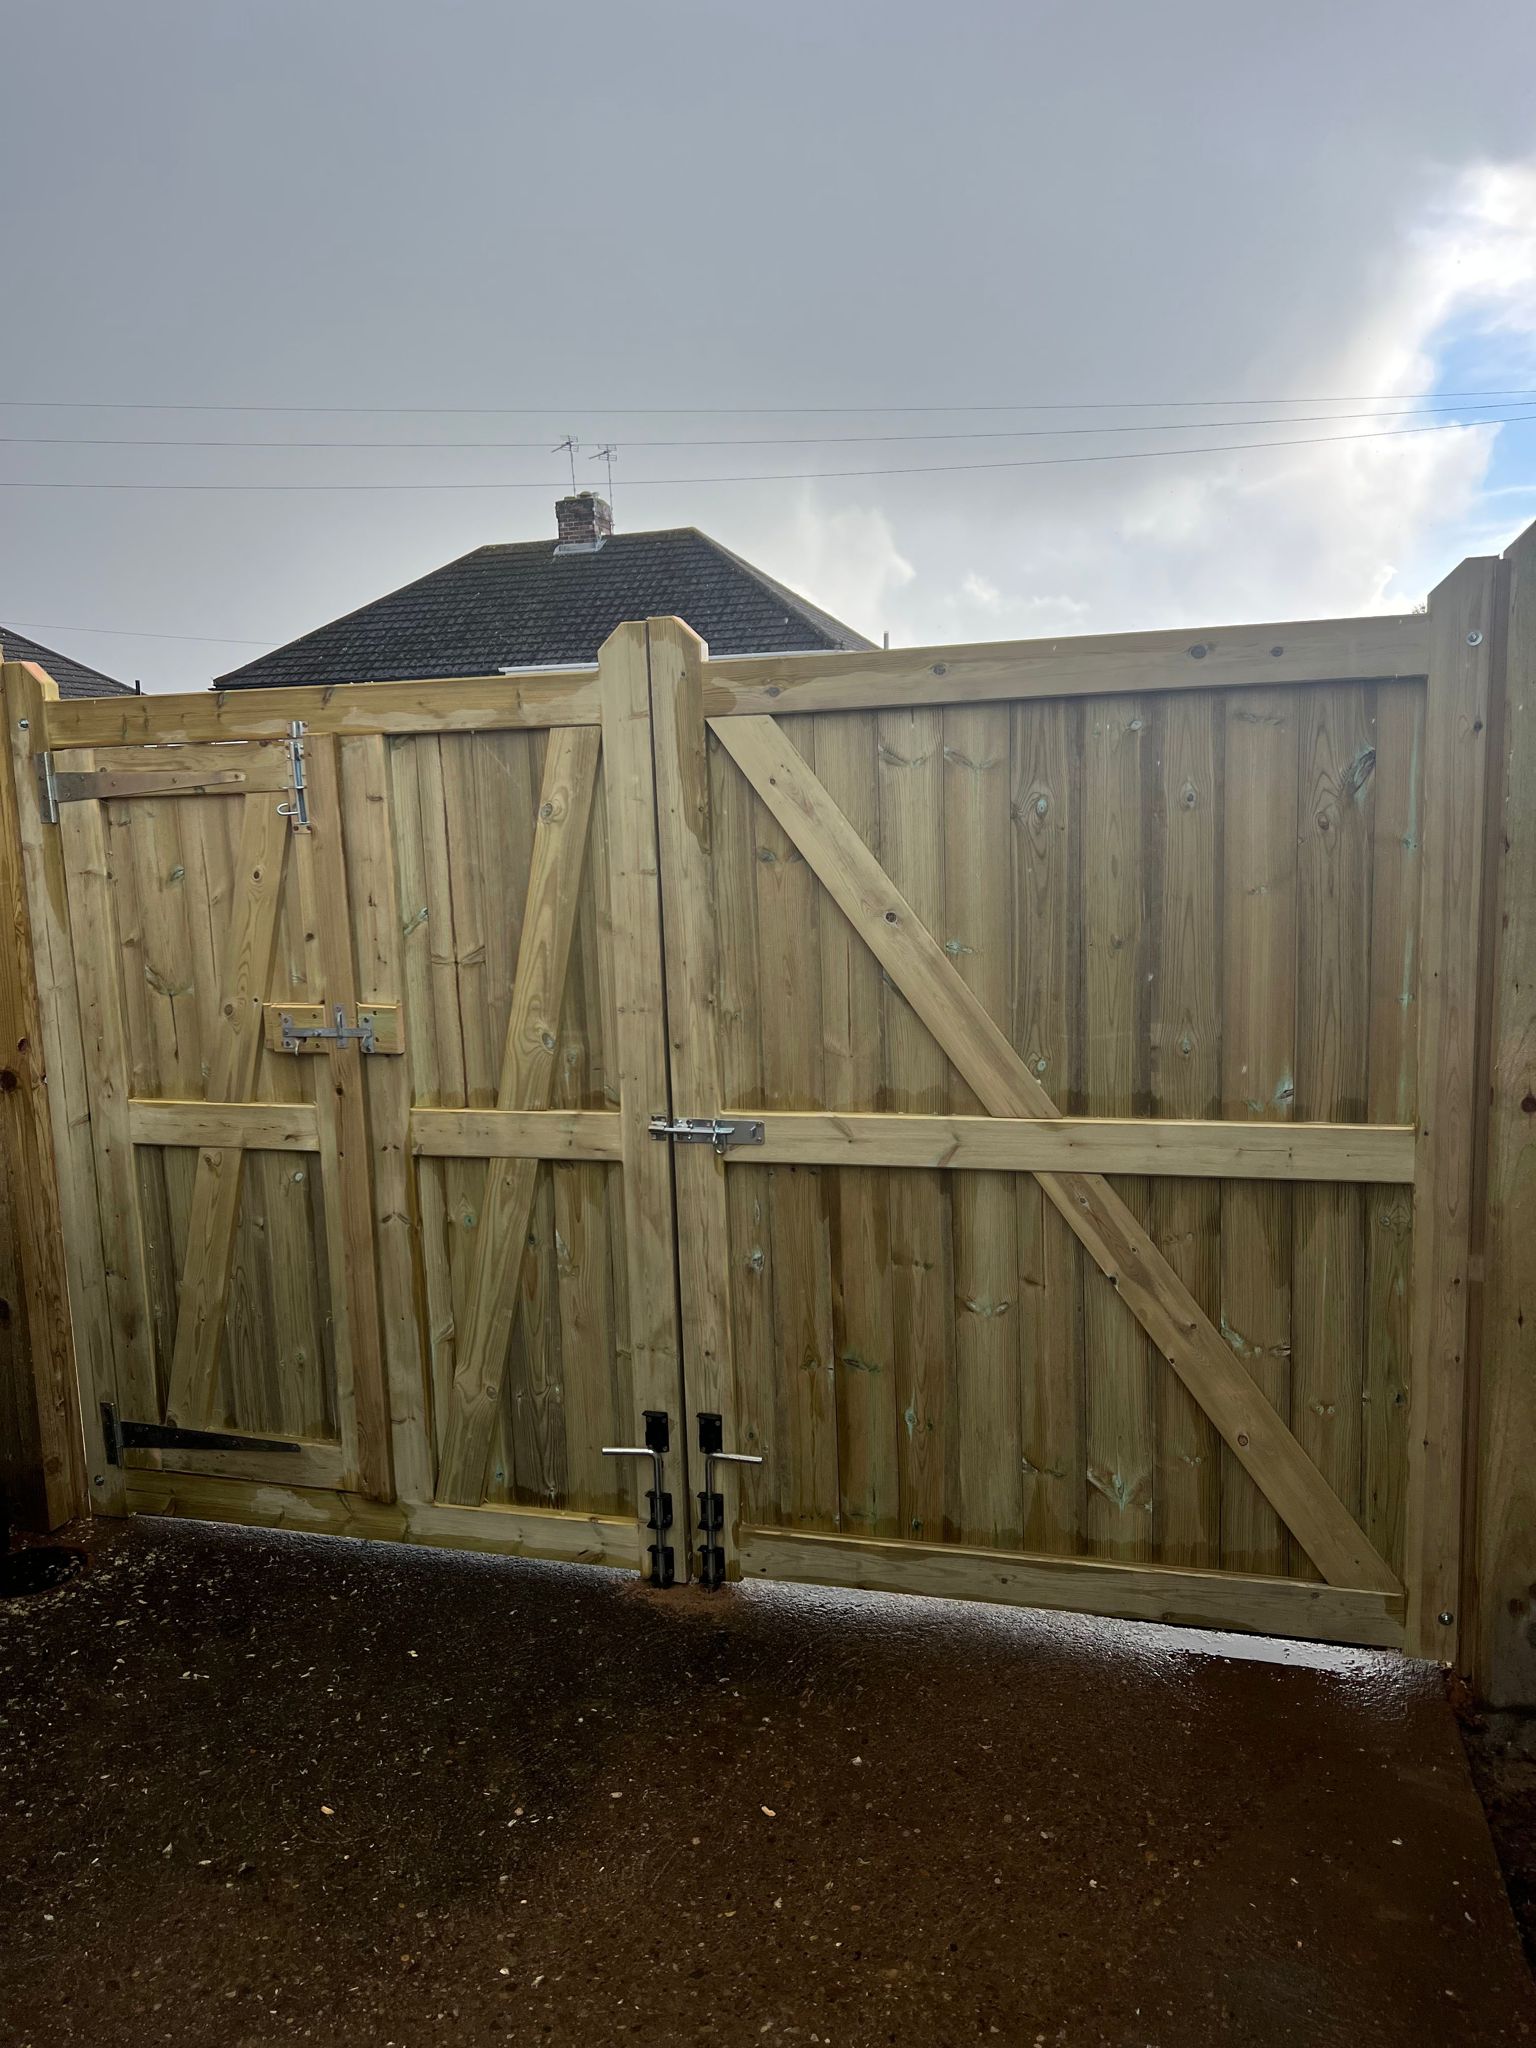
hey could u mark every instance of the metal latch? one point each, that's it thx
(298, 810)
(340, 1032)
(170, 1436)
(720, 1132)
(711, 1503)
(658, 1440)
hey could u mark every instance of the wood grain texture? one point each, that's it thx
(648, 810)
(1463, 637)
(1139, 1592)
(1103, 664)
(1196, 1148)
(1258, 1082)
(245, 966)
(917, 964)
(442, 704)
(42, 1444)
(1504, 1651)
(527, 1069)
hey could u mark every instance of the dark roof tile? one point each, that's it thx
(521, 605)
(73, 677)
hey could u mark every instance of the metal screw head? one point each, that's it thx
(23, 724)
(99, 1479)
(1446, 1616)
(1474, 638)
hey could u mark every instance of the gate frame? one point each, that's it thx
(1459, 649)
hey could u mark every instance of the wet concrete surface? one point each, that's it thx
(260, 1788)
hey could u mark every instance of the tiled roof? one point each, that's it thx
(73, 677)
(521, 605)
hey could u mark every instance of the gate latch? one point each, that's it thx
(711, 1503)
(338, 1032)
(658, 1441)
(720, 1132)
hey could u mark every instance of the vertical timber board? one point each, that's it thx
(1046, 746)
(342, 1081)
(1392, 1098)
(645, 675)
(917, 1080)
(1504, 1649)
(1121, 1403)
(526, 1071)
(42, 1449)
(244, 954)
(1336, 805)
(799, 1265)
(1184, 1216)
(42, 856)
(368, 808)
(1258, 1081)
(1462, 637)
(851, 1009)
(104, 1041)
(987, 1393)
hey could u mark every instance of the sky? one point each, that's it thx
(675, 221)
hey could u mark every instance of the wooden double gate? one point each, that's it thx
(1092, 1023)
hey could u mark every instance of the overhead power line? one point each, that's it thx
(798, 476)
(127, 633)
(568, 412)
(753, 441)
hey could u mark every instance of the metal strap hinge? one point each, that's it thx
(123, 1436)
(720, 1132)
(338, 1032)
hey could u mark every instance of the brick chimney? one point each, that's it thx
(582, 520)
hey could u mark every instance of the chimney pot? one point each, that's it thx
(582, 520)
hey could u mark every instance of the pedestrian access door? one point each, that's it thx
(1060, 1246)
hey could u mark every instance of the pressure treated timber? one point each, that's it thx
(1295, 1608)
(28, 690)
(1219, 658)
(95, 785)
(1504, 1555)
(503, 1532)
(527, 1068)
(918, 966)
(460, 704)
(649, 1266)
(258, 1126)
(216, 1197)
(516, 1134)
(345, 1139)
(42, 1450)
(1207, 1150)
(1463, 638)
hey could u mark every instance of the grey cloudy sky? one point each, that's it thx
(699, 203)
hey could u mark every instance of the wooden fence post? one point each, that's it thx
(1465, 635)
(42, 1448)
(1502, 1534)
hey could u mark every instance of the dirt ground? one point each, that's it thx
(260, 1788)
(1502, 1751)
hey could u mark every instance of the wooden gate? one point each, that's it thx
(1106, 1008)
(352, 1072)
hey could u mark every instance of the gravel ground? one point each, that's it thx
(263, 1788)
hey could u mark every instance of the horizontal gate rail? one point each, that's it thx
(1136, 1592)
(1224, 658)
(1140, 1145)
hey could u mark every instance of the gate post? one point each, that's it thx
(1500, 1601)
(1466, 644)
(42, 1445)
